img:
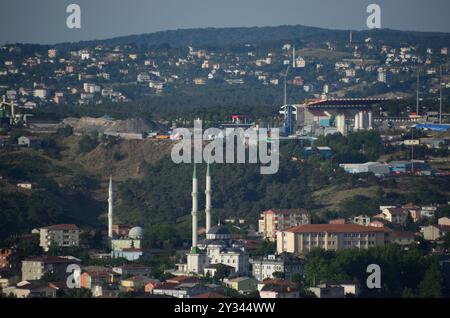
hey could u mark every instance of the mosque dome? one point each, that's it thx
(136, 233)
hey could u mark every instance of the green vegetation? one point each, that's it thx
(358, 147)
(403, 273)
(87, 144)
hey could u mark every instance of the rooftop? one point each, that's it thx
(61, 227)
(53, 259)
(335, 228)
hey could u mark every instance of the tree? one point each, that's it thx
(49, 277)
(87, 144)
(278, 275)
(222, 272)
(446, 240)
(432, 284)
(265, 248)
(408, 293)
(65, 131)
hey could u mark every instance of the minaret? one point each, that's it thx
(110, 208)
(194, 210)
(208, 199)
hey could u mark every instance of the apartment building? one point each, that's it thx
(264, 267)
(36, 267)
(9, 258)
(331, 237)
(61, 235)
(272, 221)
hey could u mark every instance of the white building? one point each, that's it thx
(217, 248)
(41, 93)
(59, 235)
(264, 268)
(377, 168)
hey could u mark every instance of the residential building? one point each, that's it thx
(130, 254)
(350, 288)
(35, 268)
(132, 270)
(31, 289)
(277, 288)
(9, 258)
(402, 238)
(414, 211)
(105, 290)
(362, 220)
(59, 235)
(8, 278)
(435, 232)
(394, 215)
(272, 221)
(29, 141)
(185, 290)
(95, 275)
(428, 211)
(241, 284)
(444, 221)
(151, 285)
(331, 237)
(135, 283)
(264, 267)
(328, 291)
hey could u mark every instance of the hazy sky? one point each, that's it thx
(44, 21)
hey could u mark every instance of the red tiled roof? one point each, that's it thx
(61, 227)
(335, 228)
(445, 228)
(210, 295)
(396, 234)
(182, 279)
(136, 279)
(51, 259)
(397, 211)
(278, 281)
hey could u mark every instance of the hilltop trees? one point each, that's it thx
(403, 273)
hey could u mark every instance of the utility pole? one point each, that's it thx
(285, 85)
(440, 95)
(417, 93)
(412, 151)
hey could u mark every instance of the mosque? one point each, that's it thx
(123, 245)
(217, 248)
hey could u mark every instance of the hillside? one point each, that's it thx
(220, 37)
(70, 186)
